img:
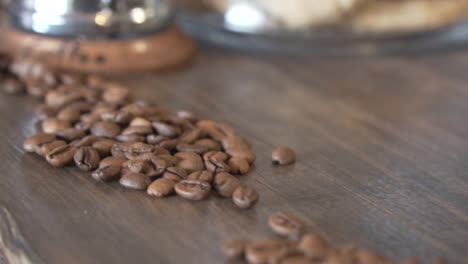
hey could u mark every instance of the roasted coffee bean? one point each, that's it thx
(136, 181)
(134, 149)
(112, 161)
(201, 176)
(43, 112)
(161, 187)
(209, 144)
(137, 130)
(190, 136)
(139, 121)
(166, 129)
(215, 155)
(245, 196)
(61, 156)
(33, 142)
(70, 134)
(43, 149)
(86, 141)
(238, 165)
(103, 147)
(169, 144)
(96, 82)
(54, 125)
(286, 224)
(238, 147)
(69, 114)
(13, 86)
(156, 139)
(148, 156)
(260, 252)
(86, 158)
(235, 248)
(192, 189)
(215, 162)
(83, 126)
(91, 118)
(283, 156)
(190, 161)
(63, 96)
(119, 117)
(191, 148)
(210, 128)
(105, 129)
(102, 108)
(130, 138)
(314, 247)
(115, 93)
(171, 161)
(139, 166)
(175, 173)
(109, 169)
(160, 151)
(225, 184)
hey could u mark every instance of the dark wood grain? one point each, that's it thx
(382, 149)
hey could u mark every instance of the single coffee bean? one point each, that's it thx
(283, 156)
(210, 128)
(201, 176)
(175, 173)
(70, 134)
(314, 247)
(86, 158)
(130, 138)
(155, 139)
(238, 165)
(54, 125)
(61, 156)
(240, 152)
(235, 248)
(134, 149)
(192, 189)
(169, 144)
(135, 165)
(62, 96)
(183, 147)
(215, 162)
(260, 252)
(90, 118)
(45, 148)
(170, 160)
(136, 181)
(107, 173)
(137, 130)
(115, 93)
(190, 161)
(86, 141)
(103, 147)
(209, 144)
(69, 114)
(161, 187)
(225, 184)
(158, 167)
(139, 121)
(105, 129)
(118, 117)
(13, 86)
(33, 142)
(112, 161)
(191, 136)
(286, 224)
(215, 155)
(166, 129)
(245, 196)
(160, 151)
(43, 112)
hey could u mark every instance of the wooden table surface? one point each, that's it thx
(382, 148)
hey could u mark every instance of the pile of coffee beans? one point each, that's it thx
(94, 124)
(297, 246)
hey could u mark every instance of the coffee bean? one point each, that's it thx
(54, 125)
(136, 181)
(109, 169)
(139, 166)
(160, 151)
(314, 247)
(238, 165)
(210, 127)
(43, 111)
(118, 117)
(115, 93)
(283, 156)
(155, 139)
(175, 173)
(171, 161)
(245, 196)
(158, 167)
(33, 142)
(130, 138)
(137, 130)
(134, 149)
(13, 86)
(190, 161)
(260, 252)
(36, 88)
(215, 155)
(215, 161)
(201, 176)
(139, 121)
(69, 114)
(43, 149)
(191, 148)
(91, 118)
(166, 129)
(169, 144)
(103, 147)
(238, 147)
(64, 95)
(161, 187)
(85, 142)
(225, 184)
(61, 156)
(86, 158)
(209, 144)
(235, 248)
(286, 224)
(105, 129)
(81, 106)
(192, 189)
(112, 161)
(70, 134)
(190, 136)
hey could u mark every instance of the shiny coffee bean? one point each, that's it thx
(191, 136)
(69, 114)
(87, 158)
(314, 247)
(192, 189)
(283, 156)
(139, 121)
(160, 151)
(238, 165)
(13, 86)
(205, 175)
(103, 147)
(155, 139)
(86, 141)
(161, 187)
(175, 173)
(190, 161)
(170, 160)
(134, 149)
(183, 147)
(245, 196)
(286, 224)
(61, 156)
(137, 130)
(62, 96)
(136, 181)
(33, 142)
(135, 165)
(235, 248)
(166, 129)
(70, 134)
(105, 129)
(130, 138)
(118, 117)
(169, 144)
(112, 161)
(43, 149)
(54, 125)
(225, 184)
(209, 144)
(107, 173)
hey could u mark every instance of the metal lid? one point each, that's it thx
(90, 18)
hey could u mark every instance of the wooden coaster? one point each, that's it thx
(163, 50)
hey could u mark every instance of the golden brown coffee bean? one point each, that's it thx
(54, 125)
(286, 224)
(192, 189)
(314, 246)
(61, 156)
(225, 184)
(283, 156)
(33, 142)
(161, 187)
(245, 196)
(238, 166)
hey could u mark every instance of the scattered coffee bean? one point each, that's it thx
(191, 136)
(105, 129)
(61, 156)
(245, 196)
(136, 181)
(87, 158)
(54, 125)
(138, 130)
(86, 141)
(235, 248)
(118, 117)
(161, 187)
(130, 138)
(171, 161)
(192, 189)
(286, 224)
(205, 175)
(107, 173)
(283, 156)
(33, 142)
(238, 166)
(225, 184)
(314, 247)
